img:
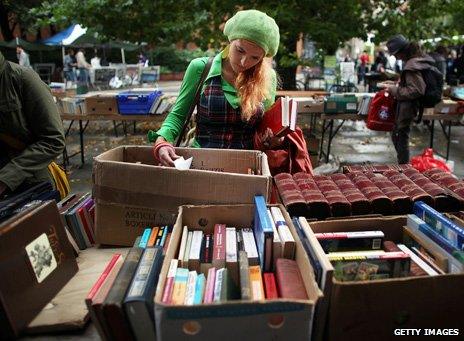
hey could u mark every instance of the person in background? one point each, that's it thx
(380, 62)
(450, 72)
(31, 131)
(23, 57)
(439, 55)
(239, 87)
(458, 66)
(362, 69)
(68, 66)
(82, 67)
(143, 60)
(409, 90)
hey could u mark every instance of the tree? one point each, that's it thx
(14, 13)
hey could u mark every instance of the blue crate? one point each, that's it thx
(136, 102)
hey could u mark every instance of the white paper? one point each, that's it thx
(183, 164)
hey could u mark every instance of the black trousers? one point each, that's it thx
(400, 138)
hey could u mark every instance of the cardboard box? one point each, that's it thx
(278, 319)
(373, 310)
(446, 106)
(131, 192)
(101, 105)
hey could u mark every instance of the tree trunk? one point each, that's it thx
(287, 77)
(4, 23)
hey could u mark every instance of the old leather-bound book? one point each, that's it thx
(36, 261)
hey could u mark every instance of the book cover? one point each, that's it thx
(113, 309)
(256, 283)
(280, 117)
(169, 284)
(180, 286)
(160, 236)
(250, 246)
(414, 258)
(188, 245)
(350, 241)
(206, 249)
(218, 284)
(264, 234)
(145, 236)
(210, 285)
(139, 300)
(195, 250)
(166, 243)
(244, 267)
(289, 281)
(286, 237)
(219, 246)
(276, 243)
(153, 235)
(199, 289)
(164, 236)
(183, 244)
(191, 286)
(270, 286)
(231, 254)
(36, 261)
(84, 219)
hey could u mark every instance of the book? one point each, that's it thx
(36, 261)
(225, 290)
(169, 283)
(414, 258)
(286, 237)
(183, 243)
(210, 285)
(422, 255)
(369, 267)
(355, 253)
(166, 243)
(206, 249)
(180, 286)
(264, 234)
(187, 249)
(244, 268)
(137, 241)
(113, 310)
(98, 293)
(350, 241)
(270, 287)
(195, 250)
(191, 286)
(218, 284)
(159, 237)
(276, 242)
(164, 236)
(199, 289)
(219, 246)
(443, 225)
(139, 300)
(289, 281)
(145, 236)
(231, 254)
(256, 283)
(249, 245)
(153, 235)
(280, 117)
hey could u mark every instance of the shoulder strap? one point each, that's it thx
(194, 103)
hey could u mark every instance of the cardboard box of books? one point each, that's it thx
(370, 296)
(101, 104)
(228, 290)
(130, 192)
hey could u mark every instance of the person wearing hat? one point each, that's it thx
(408, 91)
(238, 88)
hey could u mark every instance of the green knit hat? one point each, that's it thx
(254, 26)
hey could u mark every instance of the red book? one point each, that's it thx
(270, 287)
(169, 285)
(85, 218)
(219, 246)
(280, 117)
(102, 277)
(289, 280)
(166, 243)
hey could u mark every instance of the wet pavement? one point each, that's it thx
(353, 144)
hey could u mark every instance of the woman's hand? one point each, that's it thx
(164, 152)
(269, 141)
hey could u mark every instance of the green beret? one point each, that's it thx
(254, 26)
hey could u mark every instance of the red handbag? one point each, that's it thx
(381, 115)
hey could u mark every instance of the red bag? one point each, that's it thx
(426, 161)
(381, 115)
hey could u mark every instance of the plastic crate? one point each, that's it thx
(341, 104)
(136, 102)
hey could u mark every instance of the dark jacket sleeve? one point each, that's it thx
(414, 87)
(41, 116)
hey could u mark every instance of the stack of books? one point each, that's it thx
(121, 300)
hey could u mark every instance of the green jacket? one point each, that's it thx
(172, 125)
(29, 114)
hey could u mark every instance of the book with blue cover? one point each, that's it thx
(264, 233)
(139, 303)
(438, 222)
(145, 236)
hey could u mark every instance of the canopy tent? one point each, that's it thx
(26, 45)
(66, 37)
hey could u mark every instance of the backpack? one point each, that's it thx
(433, 79)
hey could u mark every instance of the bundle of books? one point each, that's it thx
(120, 302)
(236, 263)
(71, 105)
(364, 104)
(162, 104)
(77, 212)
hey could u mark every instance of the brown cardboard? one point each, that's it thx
(374, 310)
(446, 106)
(101, 105)
(278, 319)
(131, 192)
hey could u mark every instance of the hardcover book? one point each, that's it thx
(219, 246)
(350, 241)
(280, 117)
(289, 281)
(264, 234)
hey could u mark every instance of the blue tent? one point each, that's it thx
(66, 37)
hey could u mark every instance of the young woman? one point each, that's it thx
(239, 87)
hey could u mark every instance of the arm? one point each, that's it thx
(414, 88)
(172, 125)
(46, 129)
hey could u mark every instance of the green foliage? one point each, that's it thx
(172, 59)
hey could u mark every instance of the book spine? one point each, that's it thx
(218, 285)
(160, 236)
(289, 281)
(199, 289)
(183, 243)
(145, 237)
(256, 283)
(244, 269)
(191, 285)
(270, 286)
(284, 232)
(180, 286)
(414, 258)
(263, 231)
(166, 244)
(144, 268)
(187, 249)
(210, 283)
(219, 246)
(153, 235)
(103, 276)
(169, 285)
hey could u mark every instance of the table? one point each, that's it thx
(95, 117)
(295, 93)
(446, 121)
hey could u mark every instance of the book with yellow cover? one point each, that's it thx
(180, 286)
(256, 283)
(153, 235)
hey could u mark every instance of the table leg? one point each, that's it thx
(448, 140)
(321, 148)
(81, 138)
(331, 124)
(432, 128)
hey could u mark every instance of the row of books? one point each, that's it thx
(364, 104)
(184, 287)
(121, 302)
(77, 212)
(71, 105)
(162, 104)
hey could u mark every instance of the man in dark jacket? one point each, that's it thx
(31, 131)
(408, 92)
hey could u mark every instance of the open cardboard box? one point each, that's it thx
(372, 310)
(279, 319)
(131, 192)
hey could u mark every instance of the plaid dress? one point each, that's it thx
(219, 125)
